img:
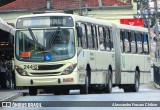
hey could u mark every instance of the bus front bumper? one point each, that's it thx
(45, 80)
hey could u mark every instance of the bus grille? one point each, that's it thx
(52, 73)
(49, 67)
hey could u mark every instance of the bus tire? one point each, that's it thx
(135, 86)
(108, 88)
(84, 88)
(32, 91)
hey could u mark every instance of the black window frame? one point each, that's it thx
(95, 37)
(141, 42)
(133, 35)
(122, 32)
(85, 36)
(90, 25)
(129, 44)
(103, 37)
(147, 43)
(110, 42)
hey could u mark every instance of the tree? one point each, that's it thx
(4, 2)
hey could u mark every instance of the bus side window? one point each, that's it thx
(126, 42)
(79, 39)
(145, 43)
(133, 42)
(84, 36)
(122, 40)
(108, 40)
(95, 37)
(111, 40)
(90, 37)
(101, 38)
(139, 42)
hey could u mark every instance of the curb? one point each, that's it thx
(10, 98)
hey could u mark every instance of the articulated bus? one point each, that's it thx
(61, 52)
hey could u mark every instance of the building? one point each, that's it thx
(6, 52)
(6, 35)
(112, 10)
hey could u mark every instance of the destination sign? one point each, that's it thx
(46, 21)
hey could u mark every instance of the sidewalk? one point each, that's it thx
(11, 94)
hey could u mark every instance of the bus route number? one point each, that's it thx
(33, 67)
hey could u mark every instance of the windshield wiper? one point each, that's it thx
(32, 35)
(54, 35)
(34, 38)
(48, 51)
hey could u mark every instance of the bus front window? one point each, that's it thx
(35, 45)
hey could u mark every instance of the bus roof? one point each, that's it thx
(93, 20)
(129, 27)
(45, 14)
(85, 19)
(75, 17)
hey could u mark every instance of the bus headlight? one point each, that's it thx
(69, 69)
(21, 71)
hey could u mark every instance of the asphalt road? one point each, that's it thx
(148, 98)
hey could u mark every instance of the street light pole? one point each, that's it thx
(156, 28)
(80, 7)
(148, 10)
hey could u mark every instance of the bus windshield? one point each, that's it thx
(45, 44)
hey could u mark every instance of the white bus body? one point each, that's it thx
(133, 58)
(96, 62)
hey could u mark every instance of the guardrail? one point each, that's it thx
(156, 73)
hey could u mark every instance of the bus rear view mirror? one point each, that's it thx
(79, 31)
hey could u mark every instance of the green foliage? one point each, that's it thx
(4, 2)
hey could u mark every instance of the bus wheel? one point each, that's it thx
(108, 88)
(135, 86)
(84, 88)
(32, 91)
